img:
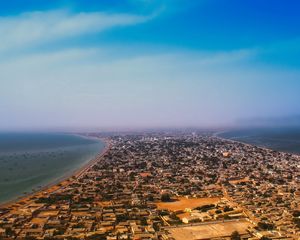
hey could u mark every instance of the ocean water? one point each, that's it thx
(30, 161)
(285, 139)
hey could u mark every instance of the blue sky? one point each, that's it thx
(120, 64)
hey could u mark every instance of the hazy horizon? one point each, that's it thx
(136, 64)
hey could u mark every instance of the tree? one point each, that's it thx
(235, 236)
(166, 197)
(228, 209)
(150, 198)
(266, 226)
(144, 221)
(297, 221)
(265, 238)
(9, 232)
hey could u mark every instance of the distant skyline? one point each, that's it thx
(112, 64)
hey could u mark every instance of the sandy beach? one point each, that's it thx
(62, 181)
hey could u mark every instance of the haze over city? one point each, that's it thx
(149, 120)
(113, 64)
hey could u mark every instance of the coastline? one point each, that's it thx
(59, 182)
(63, 180)
(217, 135)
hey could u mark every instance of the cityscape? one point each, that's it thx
(149, 120)
(164, 185)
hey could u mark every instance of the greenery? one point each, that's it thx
(296, 221)
(235, 236)
(166, 197)
(9, 232)
(228, 209)
(266, 226)
(54, 199)
(205, 208)
(265, 238)
(296, 213)
(144, 221)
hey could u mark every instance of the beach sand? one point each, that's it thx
(60, 182)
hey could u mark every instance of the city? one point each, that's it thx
(166, 186)
(149, 120)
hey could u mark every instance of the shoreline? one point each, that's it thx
(63, 180)
(57, 183)
(217, 135)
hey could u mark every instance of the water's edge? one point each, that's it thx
(262, 141)
(75, 169)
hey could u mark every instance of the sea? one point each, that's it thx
(30, 161)
(284, 139)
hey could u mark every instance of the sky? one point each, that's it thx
(131, 64)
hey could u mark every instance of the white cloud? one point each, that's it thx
(79, 87)
(123, 87)
(29, 29)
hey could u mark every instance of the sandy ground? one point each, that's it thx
(209, 230)
(246, 179)
(184, 203)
